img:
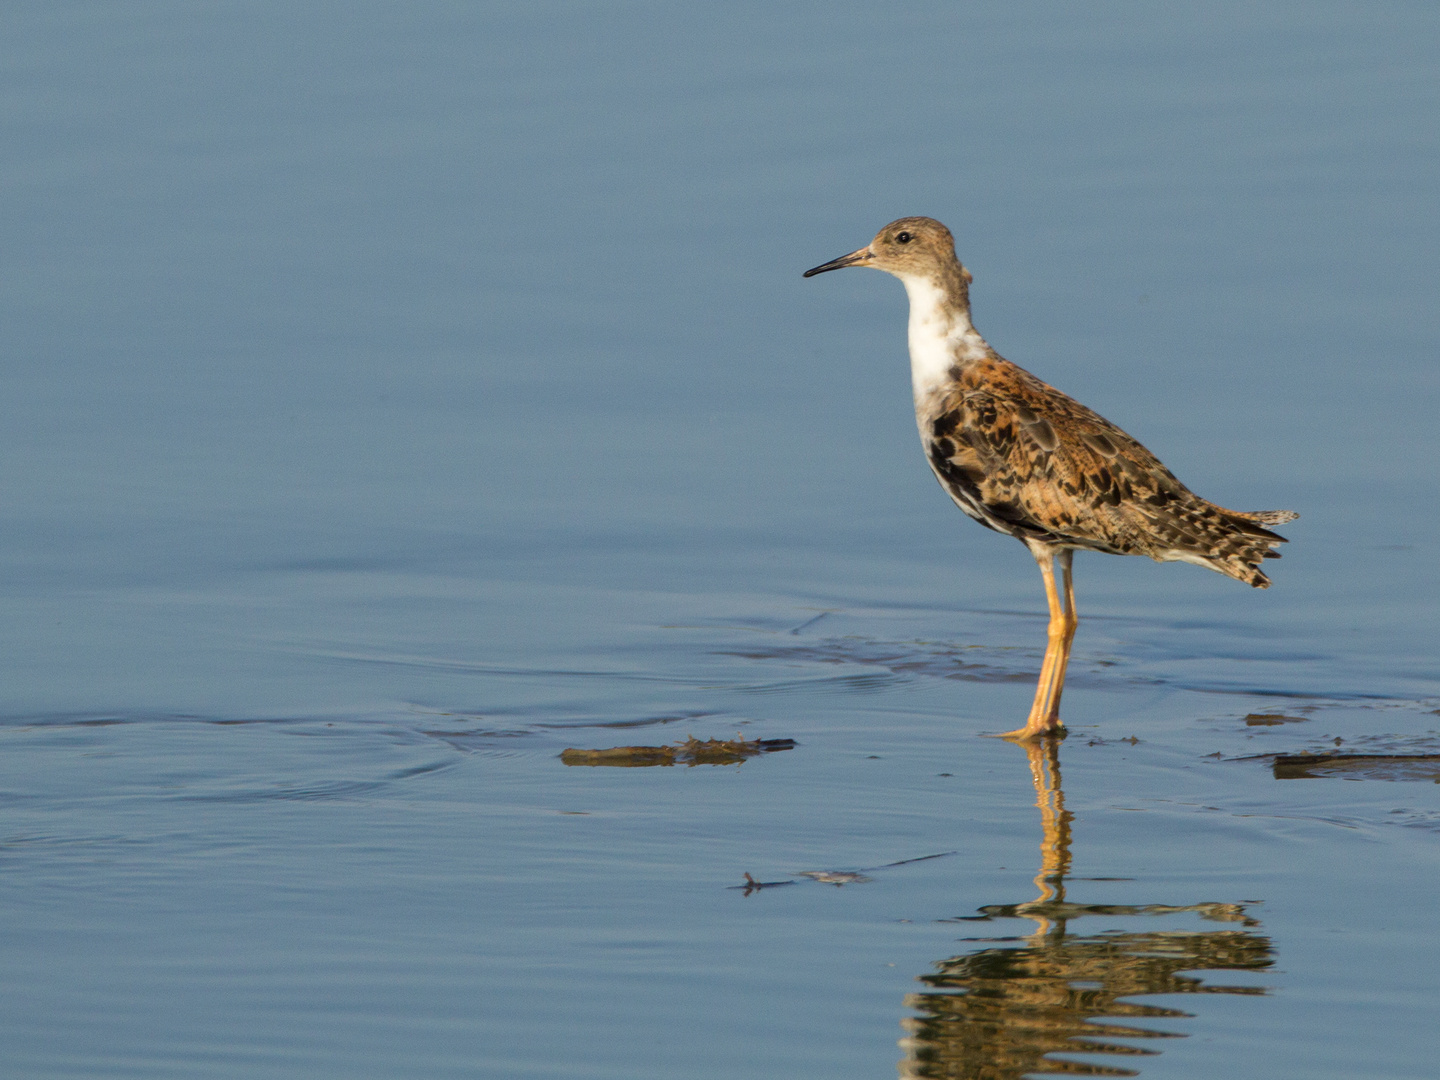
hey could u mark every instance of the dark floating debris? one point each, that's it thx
(751, 885)
(690, 752)
(1256, 719)
(1358, 767)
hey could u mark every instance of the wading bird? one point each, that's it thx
(1024, 459)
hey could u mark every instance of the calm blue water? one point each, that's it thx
(396, 396)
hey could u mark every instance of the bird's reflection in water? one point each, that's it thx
(1007, 1010)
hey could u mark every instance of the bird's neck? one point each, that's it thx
(941, 336)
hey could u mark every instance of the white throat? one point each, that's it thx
(940, 337)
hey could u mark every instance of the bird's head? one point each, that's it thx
(911, 247)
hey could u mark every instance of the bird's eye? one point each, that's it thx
(903, 238)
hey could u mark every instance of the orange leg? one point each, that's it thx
(1067, 557)
(1044, 716)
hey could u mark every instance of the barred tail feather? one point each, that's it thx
(1266, 517)
(1230, 542)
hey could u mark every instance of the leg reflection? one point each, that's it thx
(1055, 837)
(1005, 1009)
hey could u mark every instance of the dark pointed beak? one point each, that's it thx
(855, 258)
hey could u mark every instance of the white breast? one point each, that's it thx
(940, 337)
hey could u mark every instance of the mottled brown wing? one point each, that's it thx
(1050, 473)
(1043, 466)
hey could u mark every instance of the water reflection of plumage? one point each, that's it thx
(1002, 1012)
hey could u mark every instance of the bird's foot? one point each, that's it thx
(1045, 729)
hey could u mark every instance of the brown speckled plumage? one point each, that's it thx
(1025, 459)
